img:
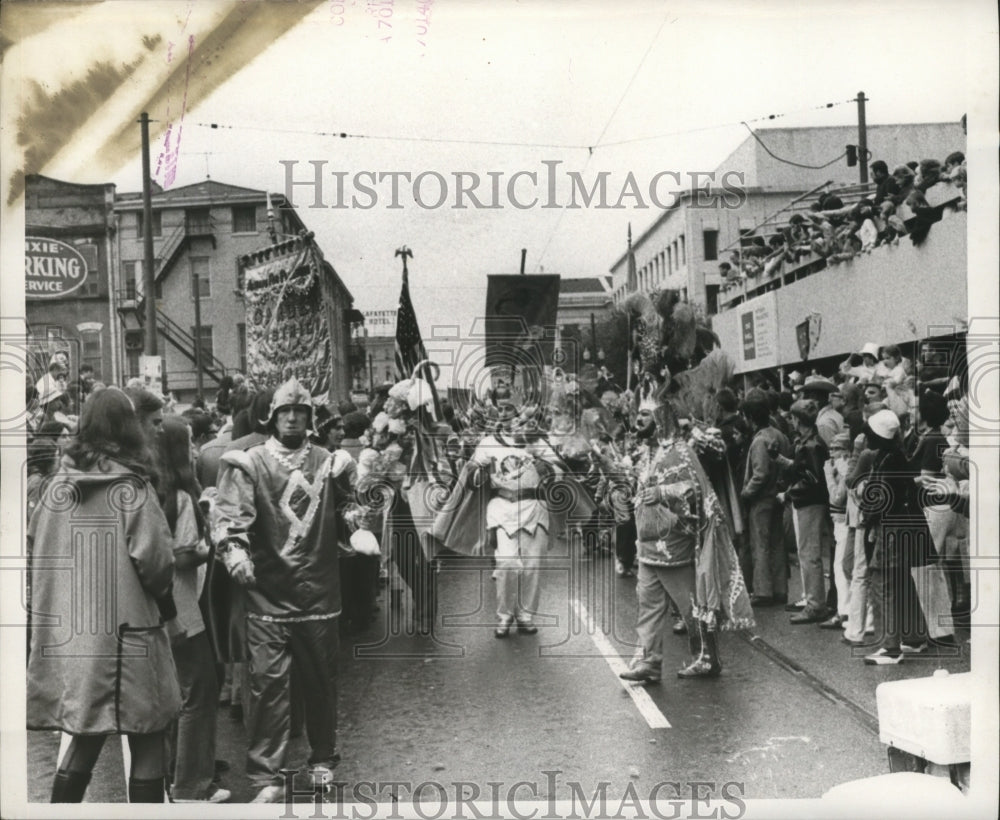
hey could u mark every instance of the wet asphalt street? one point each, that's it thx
(792, 714)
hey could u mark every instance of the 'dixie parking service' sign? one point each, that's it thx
(52, 269)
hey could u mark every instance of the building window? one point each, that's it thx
(131, 274)
(198, 221)
(684, 255)
(157, 224)
(91, 353)
(241, 337)
(711, 299)
(207, 346)
(201, 283)
(241, 275)
(245, 219)
(88, 250)
(711, 241)
(132, 363)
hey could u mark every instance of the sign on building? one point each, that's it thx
(750, 333)
(52, 269)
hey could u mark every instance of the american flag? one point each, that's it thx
(410, 351)
(409, 345)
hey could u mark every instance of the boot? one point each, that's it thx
(703, 649)
(642, 670)
(69, 787)
(145, 791)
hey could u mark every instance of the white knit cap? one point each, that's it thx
(884, 424)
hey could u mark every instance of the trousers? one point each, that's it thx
(194, 735)
(857, 598)
(518, 559)
(273, 648)
(770, 561)
(656, 587)
(809, 538)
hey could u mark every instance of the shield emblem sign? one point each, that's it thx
(815, 324)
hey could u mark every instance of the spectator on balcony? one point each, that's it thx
(828, 201)
(885, 185)
(955, 171)
(867, 225)
(797, 238)
(904, 177)
(753, 257)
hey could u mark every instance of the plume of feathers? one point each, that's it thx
(693, 392)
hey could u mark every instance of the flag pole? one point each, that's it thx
(426, 373)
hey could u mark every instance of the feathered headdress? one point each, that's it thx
(669, 343)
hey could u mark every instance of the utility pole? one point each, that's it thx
(196, 284)
(524, 254)
(371, 374)
(148, 273)
(862, 139)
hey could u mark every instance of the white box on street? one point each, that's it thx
(928, 717)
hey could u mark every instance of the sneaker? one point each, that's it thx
(526, 627)
(807, 616)
(884, 657)
(620, 569)
(913, 649)
(322, 777)
(798, 606)
(218, 796)
(835, 622)
(270, 794)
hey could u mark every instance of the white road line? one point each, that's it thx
(643, 702)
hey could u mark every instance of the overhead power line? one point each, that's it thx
(508, 143)
(791, 162)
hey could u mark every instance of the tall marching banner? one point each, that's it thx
(521, 325)
(288, 317)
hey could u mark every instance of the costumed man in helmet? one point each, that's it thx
(275, 524)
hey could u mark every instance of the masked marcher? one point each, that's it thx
(275, 525)
(684, 547)
(102, 665)
(515, 470)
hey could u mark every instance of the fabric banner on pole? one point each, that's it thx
(521, 328)
(288, 332)
(520, 313)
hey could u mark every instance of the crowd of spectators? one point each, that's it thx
(840, 224)
(880, 447)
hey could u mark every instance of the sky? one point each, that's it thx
(455, 86)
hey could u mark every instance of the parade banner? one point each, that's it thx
(288, 332)
(521, 319)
